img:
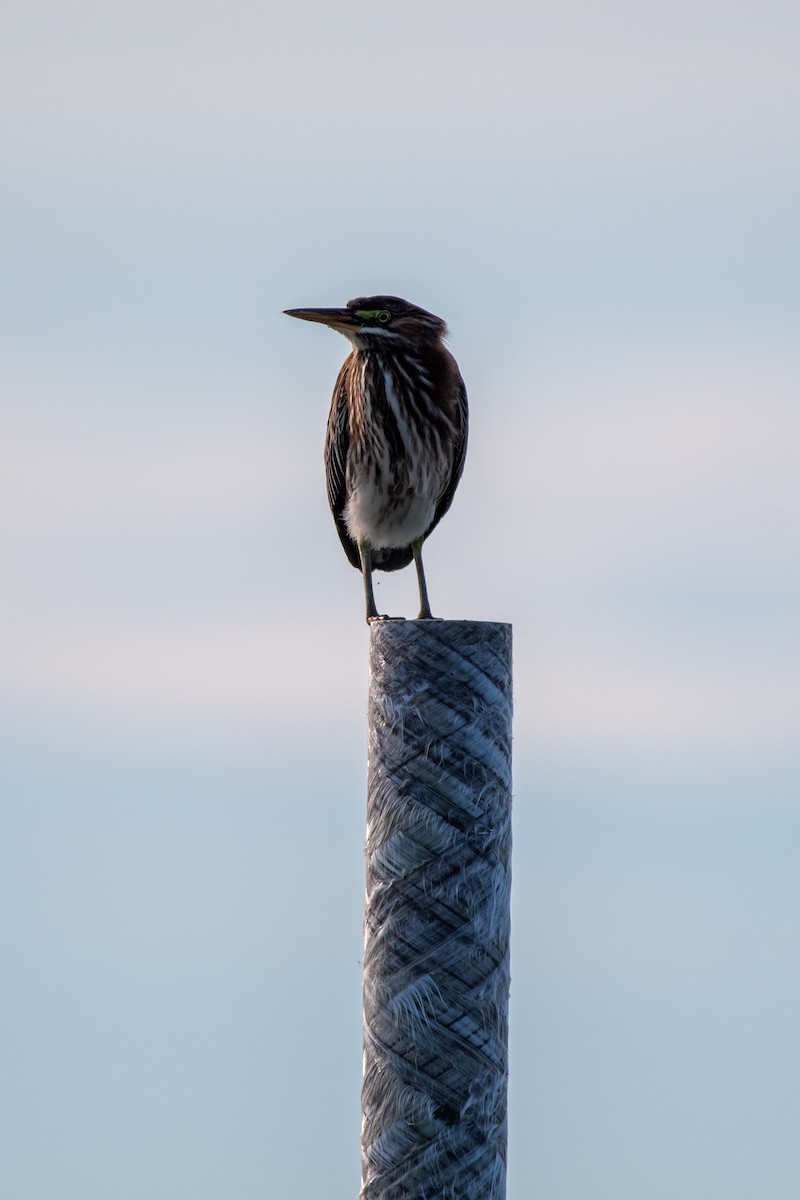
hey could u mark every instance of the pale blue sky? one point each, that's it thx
(602, 201)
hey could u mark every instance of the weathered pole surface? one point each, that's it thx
(437, 922)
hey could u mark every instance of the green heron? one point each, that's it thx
(396, 437)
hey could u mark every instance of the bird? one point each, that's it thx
(396, 436)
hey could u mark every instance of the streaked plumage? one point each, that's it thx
(397, 434)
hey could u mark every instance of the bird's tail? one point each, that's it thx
(392, 559)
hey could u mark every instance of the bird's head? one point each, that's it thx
(378, 322)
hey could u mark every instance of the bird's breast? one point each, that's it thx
(398, 462)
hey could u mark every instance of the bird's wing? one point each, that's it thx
(337, 445)
(461, 419)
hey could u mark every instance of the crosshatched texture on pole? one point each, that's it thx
(436, 963)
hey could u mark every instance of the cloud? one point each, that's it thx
(649, 467)
(631, 520)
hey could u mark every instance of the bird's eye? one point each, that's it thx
(384, 317)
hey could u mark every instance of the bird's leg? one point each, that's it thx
(425, 613)
(365, 554)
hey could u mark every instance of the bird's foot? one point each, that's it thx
(382, 617)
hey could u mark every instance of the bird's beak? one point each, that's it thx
(337, 318)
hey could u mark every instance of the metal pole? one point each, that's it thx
(436, 961)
